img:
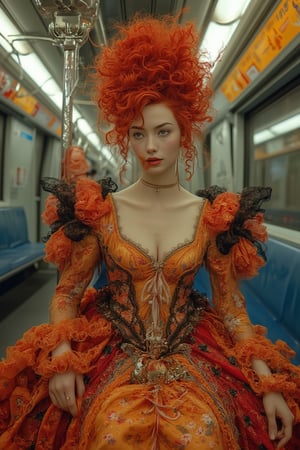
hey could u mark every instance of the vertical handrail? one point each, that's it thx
(70, 25)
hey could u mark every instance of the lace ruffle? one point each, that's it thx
(75, 207)
(236, 220)
(236, 216)
(88, 335)
(284, 377)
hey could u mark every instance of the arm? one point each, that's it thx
(75, 277)
(230, 305)
(73, 212)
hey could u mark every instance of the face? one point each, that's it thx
(155, 139)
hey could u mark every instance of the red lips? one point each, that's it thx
(153, 161)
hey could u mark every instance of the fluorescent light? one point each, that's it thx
(76, 115)
(4, 44)
(7, 27)
(290, 124)
(30, 63)
(94, 140)
(36, 70)
(216, 38)
(228, 11)
(227, 14)
(83, 126)
(106, 152)
(9, 31)
(262, 136)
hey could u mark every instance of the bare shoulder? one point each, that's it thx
(191, 198)
(125, 195)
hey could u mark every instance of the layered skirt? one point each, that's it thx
(202, 397)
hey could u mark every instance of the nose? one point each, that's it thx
(151, 145)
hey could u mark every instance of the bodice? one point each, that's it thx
(149, 298)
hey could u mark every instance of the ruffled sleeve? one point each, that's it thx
(73, 212)
(236, 235)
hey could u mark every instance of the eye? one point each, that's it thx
(163, 132)
(137, 135)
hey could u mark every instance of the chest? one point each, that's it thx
(160, 230)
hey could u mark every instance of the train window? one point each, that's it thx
(2, 124)
(274, 157)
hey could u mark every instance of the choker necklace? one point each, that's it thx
(157, 187)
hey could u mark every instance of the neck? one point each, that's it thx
(157, 187)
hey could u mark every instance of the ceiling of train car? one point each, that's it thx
(29, 20)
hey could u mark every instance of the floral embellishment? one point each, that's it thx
(191, 425)
(257, 228)
(246, 259)
(237, 300)
(78, 207)
(220, 214)
(115, 417)
(210, 424)
(107, 228)
(231, 322)
(200, 431)
(185, 439)
(50, 214)
(109, 438)
(89, 204)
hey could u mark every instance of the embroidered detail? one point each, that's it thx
(118, 303)
(237, 300)
(107, 228)
(231, 322)
(149, 370)
(156, 291)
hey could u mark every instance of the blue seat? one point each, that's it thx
(16, 250)
(272, 297)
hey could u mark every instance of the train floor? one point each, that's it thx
(24, 302)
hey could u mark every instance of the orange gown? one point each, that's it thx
(163, 369)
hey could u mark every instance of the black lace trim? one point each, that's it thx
(251, 199)
(191, 311)
(186, 311)
(73, 228)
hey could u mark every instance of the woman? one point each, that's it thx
(145, 361)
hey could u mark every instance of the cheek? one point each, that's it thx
(136, 149)
(173, 147)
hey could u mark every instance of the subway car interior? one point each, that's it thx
(47, 49)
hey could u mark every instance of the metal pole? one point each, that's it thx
(70, 79)
(71, 23)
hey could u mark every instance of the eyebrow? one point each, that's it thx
(135, 127)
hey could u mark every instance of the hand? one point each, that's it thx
(63, 390)
(276, 407)
(65, 387)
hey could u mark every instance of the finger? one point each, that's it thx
(54, 399)
(80, 387)
(70, 404)
(272, 426)
(59, 400)
(285, 433)
(283, 442)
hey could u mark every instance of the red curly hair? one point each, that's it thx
(153, 61)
